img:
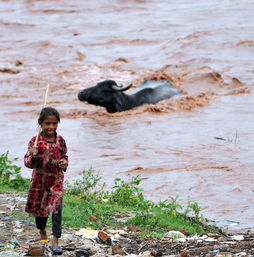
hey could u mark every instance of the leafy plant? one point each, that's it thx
(87, 187)
(9, 174)
(19, 183)
(171, 205)
(195, 208)
(128, 194)
(7, 168)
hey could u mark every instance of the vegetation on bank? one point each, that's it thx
(10, 178)
(86, 197)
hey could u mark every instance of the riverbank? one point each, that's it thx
(18, 235)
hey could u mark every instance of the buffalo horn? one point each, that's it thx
(121, 87)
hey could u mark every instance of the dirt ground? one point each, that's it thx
(18, 235)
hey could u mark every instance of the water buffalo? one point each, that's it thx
(110, 95)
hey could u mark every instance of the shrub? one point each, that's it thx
(128, 193)
(9, 174)
(87, 187)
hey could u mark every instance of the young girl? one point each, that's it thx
(48, 160)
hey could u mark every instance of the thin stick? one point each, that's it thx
(236, 134)
(46, 96)
(45, 103)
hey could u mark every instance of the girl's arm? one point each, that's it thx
(30, 156)
(63, 163)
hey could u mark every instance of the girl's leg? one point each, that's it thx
(57, 226)
(41, 223)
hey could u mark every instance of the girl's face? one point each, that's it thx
(49, 126)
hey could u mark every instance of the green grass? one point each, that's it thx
(86, 197)
(152, 221)
(76, 213)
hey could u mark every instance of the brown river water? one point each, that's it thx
(196, 145)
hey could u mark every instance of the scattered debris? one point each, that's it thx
(9, 70)
(123, 242)
(87, 233)
(175, 234)
(36, 250)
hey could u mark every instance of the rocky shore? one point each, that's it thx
(20, 238)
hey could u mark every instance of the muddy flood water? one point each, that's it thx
(196, 145)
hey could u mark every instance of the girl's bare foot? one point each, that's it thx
(43, 234)
(54, 241)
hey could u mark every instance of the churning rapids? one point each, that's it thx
(198, 144)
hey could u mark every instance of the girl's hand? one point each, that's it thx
(33, 151)
(62, 164)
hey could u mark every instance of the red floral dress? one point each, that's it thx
(46, 186)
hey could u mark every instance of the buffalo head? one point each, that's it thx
(106, 94)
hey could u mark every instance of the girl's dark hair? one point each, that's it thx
(46, 111)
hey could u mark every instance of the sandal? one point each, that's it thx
(57, 250)
(44, 241)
